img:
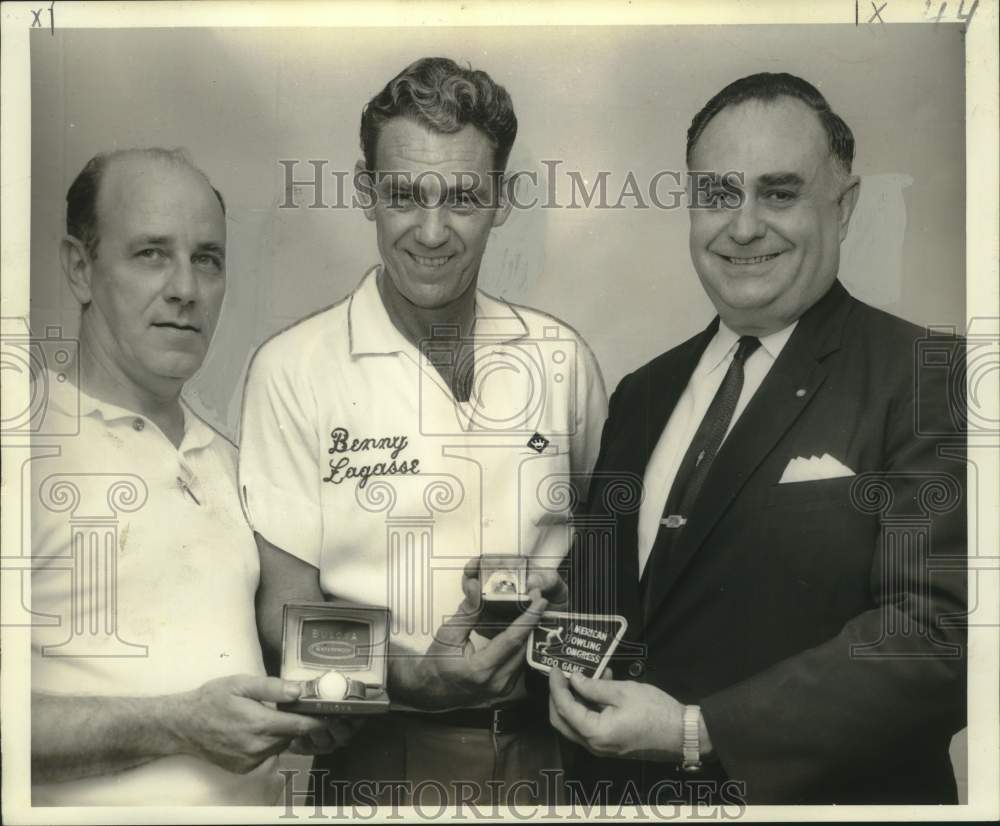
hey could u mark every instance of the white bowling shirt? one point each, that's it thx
(180, 610)
(356, 458)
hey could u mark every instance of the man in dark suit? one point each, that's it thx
(794, 576)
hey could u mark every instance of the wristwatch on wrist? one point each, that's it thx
(690, 742)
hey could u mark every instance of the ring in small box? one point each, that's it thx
(339, 649)
(503, 583)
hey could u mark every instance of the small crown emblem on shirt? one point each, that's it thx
(538, 442)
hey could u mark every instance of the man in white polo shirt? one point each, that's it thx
(418, 424)
(147, 682)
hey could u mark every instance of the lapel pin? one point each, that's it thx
(800, 392)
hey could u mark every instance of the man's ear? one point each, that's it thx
(364, 186)
(505, 199)
(77, 266)
(848, 200)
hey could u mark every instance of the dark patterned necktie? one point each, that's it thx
(700, 454)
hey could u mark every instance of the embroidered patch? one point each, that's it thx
(538, 442)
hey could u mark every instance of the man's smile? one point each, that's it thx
(756, 259)
(431, 262)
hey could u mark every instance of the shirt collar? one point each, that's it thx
(369, 327)
(724, 342)
(371, 331)
(70, 400)
(197, 434)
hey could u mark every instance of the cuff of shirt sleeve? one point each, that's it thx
(290, 523)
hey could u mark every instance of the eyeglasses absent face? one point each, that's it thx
(154, 289)
(436, 200)
(769, 253)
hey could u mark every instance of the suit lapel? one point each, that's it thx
(786, 391)
(654, 401)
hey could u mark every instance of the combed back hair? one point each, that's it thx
(81, 199)
(443, 97)
(768, 87)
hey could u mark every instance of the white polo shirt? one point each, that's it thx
(180, 610)
(356, 458)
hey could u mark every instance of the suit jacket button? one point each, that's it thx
(636, 668)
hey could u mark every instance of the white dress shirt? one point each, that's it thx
(687, 415)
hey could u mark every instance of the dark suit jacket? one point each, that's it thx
(807, 619)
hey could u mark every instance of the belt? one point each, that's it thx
(498, 719)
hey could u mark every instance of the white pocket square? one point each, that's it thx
(801, 469)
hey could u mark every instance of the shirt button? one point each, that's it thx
(138, 424)
(636, 668)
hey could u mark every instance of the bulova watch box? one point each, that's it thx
(340, 649)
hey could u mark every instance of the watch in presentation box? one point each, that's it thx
(340, 650)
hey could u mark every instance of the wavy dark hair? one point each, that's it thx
(442, 96)
(81, 199)
(769, 86)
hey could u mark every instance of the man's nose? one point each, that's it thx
(432, 231)
(182, 284)
(746, 223)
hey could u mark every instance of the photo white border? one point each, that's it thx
(982, 298)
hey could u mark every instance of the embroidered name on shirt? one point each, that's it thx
(341, 468)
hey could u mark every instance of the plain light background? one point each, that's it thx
(612, 99)
(596, 99)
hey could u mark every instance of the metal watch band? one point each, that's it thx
(690, 742)
(355, 690)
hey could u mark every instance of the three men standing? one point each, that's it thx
(779, 636)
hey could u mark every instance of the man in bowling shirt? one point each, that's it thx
(391, 440)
